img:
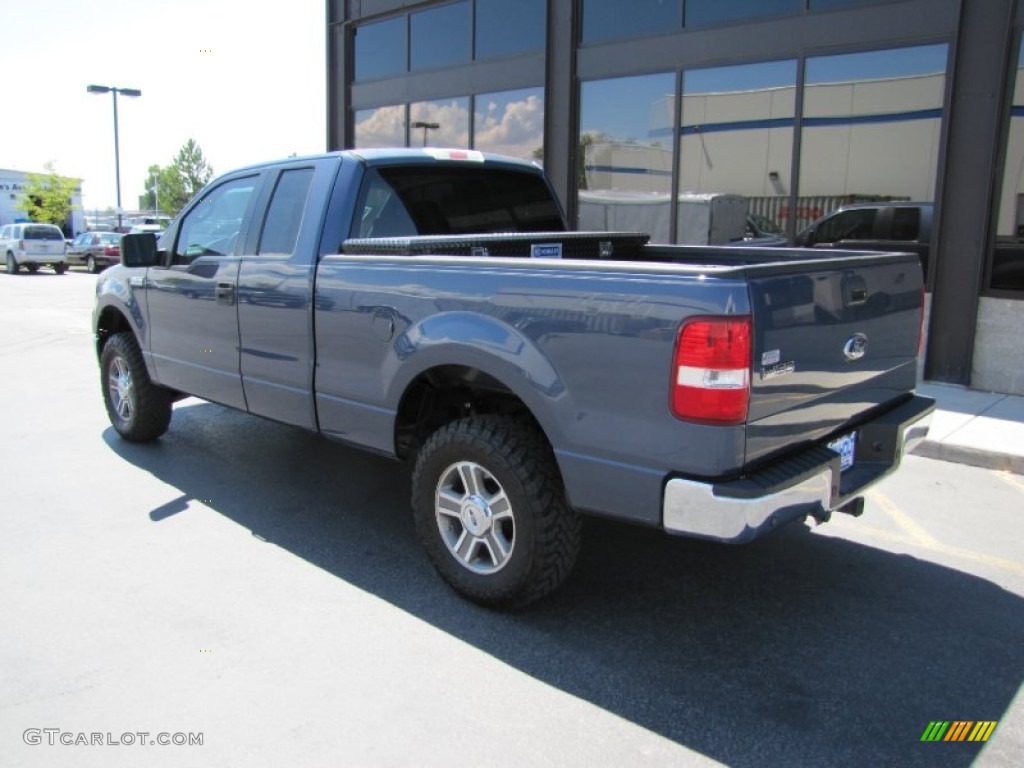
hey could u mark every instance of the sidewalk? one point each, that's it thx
(982, 429)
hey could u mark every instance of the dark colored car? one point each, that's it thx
(95, 250)
(895, 226)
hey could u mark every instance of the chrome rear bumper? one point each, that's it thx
(809, 483)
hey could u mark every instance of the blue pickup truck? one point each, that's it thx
(430, 306)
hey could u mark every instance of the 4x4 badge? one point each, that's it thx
(856, 346)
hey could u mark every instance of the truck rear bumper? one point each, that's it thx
(809, 483)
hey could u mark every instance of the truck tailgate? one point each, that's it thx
(834, 340)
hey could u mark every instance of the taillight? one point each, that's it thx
(112, 250)
(21, 245)
(711, 374)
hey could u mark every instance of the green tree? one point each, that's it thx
(192, 168)
(48, 196)
(170, 188)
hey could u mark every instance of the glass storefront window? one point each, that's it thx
(504, 28)
(614, 19)
(702, 12)
(380, 49)
(439, 37)
(1008, 261)
(380, 127)
(736, 138)
(510, 123)
(625, 154)
(442, 123)
(871, 128)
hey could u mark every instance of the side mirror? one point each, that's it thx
(139, 250)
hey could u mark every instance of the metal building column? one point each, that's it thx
(561, 114)
(967, 192)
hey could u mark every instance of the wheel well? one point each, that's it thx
(444, 394)
(110, 322)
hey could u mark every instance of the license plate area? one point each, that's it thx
(845, 446)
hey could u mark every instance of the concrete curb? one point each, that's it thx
(975, 457)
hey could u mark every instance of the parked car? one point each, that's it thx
(32, 245)
(894, 226)
(95, 250)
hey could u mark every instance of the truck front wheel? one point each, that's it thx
(139, 410)
(491, 511)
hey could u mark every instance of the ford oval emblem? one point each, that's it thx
(855, 347)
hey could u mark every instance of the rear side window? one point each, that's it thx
(445, 200)
(906, 223)
(281, 228)
(43, 233)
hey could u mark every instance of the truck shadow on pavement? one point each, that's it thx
(795, 650)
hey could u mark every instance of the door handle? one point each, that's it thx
(225, 293)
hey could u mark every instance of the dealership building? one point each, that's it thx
(799, 106)
(12, 193)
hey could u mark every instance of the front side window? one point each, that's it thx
(856, 224)
(213, 225)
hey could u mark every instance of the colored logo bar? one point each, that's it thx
(959, 730)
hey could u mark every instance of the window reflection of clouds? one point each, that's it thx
(451, 117)
(510, 122)
(381, 127)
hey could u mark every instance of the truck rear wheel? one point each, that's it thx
(11, 264)
(491, 511)
(138, 409)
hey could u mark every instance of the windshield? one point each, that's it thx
(765, 225)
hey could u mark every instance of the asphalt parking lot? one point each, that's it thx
(262, 588)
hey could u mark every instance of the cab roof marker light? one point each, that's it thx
(467, 155)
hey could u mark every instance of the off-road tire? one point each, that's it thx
(517, 460)
(139, 410)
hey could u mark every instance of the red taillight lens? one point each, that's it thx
(112, 250)
(711, 374)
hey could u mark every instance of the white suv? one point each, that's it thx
(33, 245)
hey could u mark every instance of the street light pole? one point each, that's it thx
(133, 92)
(426, 127)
